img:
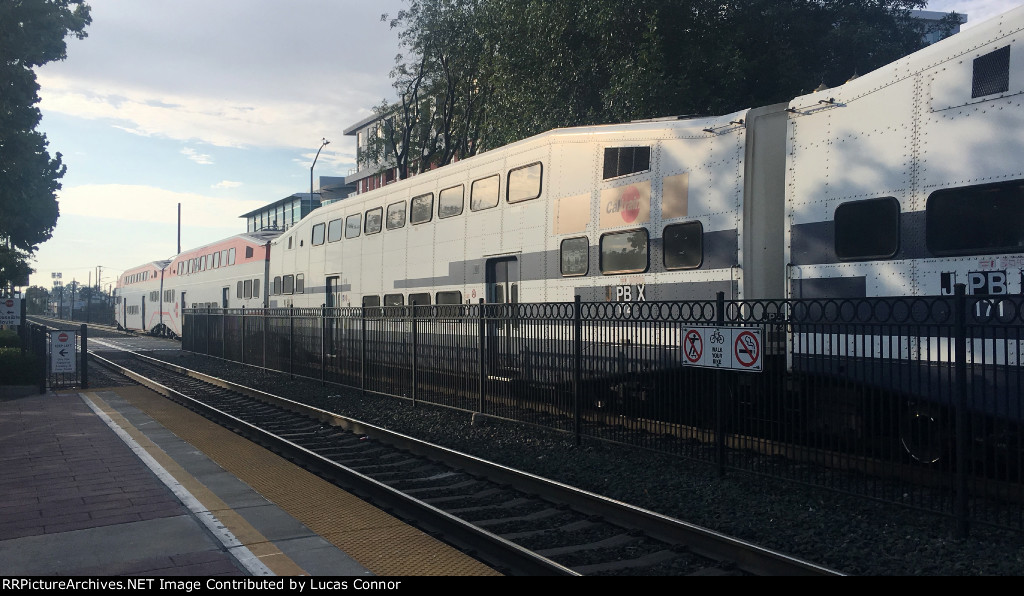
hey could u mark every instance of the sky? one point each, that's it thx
(219, 106)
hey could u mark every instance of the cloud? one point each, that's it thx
(227, 184)
(199, 158)
(140, 203)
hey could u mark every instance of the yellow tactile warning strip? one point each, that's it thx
(268, 554)
(381, 543)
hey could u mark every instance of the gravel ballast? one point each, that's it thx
(852, 535)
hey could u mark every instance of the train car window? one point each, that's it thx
(396, 215)
(623, 161)
(353, 224)
(256, 288)
(524, 183)
(448, 298)
(231, 256)
(277, 285)
(239, 291)
(289, 242)
(868, 229)
(216, 260)
(451, 201)
(419, 299)
(247, 291)
(991, 73)
(575, 256)
(484, 193)
(318, 235)
(981, 219)
(624, 252)
(683, 245)
(224, 257)
(334, 230)
(394, 300)
(288, 284)
(373, 220)
(300, 283)
(248, 252)
(371, 301)
(421, 209)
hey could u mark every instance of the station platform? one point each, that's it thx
(121, 482)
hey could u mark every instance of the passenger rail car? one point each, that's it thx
(230, 273)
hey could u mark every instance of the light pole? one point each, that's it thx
(322, 145)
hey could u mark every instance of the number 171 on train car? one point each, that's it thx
(733, 348)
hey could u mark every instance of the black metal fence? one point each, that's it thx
(915, 400)
(60, 355)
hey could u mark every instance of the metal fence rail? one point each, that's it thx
(920, 397)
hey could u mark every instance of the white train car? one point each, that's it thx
(909, 179)
(137, 296)
(653, 210)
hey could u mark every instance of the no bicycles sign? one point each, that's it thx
(733, 348)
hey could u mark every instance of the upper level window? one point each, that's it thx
(396, 215)
(483, 194)
(982, 219)
(622, 161)
(683, 245)
(373, 220)
(422, 209)
(524, 183)
(868, 229)
(450, 202)
(334, 230)
(318, 234)
(353, 224)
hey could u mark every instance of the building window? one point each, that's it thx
(248, 252)
(624, 252)
(683, 245)
(524, 183)
(575, 256)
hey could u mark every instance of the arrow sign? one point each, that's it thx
(62, 352)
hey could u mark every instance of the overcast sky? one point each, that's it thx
(219, 105)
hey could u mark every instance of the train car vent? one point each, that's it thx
(622, 161)
(991, 73)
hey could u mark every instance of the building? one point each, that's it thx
(281, 214)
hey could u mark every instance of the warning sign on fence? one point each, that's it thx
(733, 348)
(62, 351)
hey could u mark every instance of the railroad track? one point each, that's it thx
(518, 523)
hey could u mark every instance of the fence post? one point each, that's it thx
(85, 356)
(412, 311)
(242, 324)
(291, 340)
(719, 393)
(577, 364)
(39, 347)
(962, 424)
(483, 352)
(224, 333)
(362, 349)
(323, 344)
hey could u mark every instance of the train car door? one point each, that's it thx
(331, 297)
(502, 291)
(143, 324)
(224, 294)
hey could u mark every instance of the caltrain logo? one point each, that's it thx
(627, 205)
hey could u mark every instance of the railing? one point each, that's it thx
(921, 397)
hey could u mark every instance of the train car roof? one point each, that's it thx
(258, 238)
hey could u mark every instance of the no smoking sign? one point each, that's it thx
(732, 348)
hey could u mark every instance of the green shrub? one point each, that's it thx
(16, 369)
(9, 339)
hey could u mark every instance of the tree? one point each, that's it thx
(478, 74)
(32, 33)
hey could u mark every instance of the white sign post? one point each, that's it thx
(10, 311)
(732, 348)
(63, 353)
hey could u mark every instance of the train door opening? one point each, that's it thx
(143, 325)
(501, 294)
(224, 294)
(331, 298)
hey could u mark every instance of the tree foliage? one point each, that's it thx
(32, 33)
(478, 74)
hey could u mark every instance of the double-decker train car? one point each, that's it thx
(229, 273)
